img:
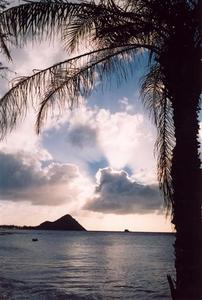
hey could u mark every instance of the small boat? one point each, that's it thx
(126, 230)
(34, 240)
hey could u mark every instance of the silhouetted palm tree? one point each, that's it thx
(114, 32)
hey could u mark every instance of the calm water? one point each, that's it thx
(85, 265)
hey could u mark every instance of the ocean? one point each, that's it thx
(85, 265)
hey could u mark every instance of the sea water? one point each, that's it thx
(85, 265)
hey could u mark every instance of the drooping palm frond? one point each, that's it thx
(61, 84)
(37, 19)
(157, 102)
(116, 25)
(103, 22)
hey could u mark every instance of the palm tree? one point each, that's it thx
(114, 32)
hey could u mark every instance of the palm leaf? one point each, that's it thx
(156, 100)
(38, 20)
(62, 84)
(4, 38)
(3, 46)
(73, 21)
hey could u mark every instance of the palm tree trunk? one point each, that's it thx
(183, 75)
(186, 176)
(187, 202)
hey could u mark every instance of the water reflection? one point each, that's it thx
(87, 265)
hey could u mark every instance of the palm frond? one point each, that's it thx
(115, 25)
(101, 69)
(39, 20)
(158, 104)
(74, 21)
(61, 84)
(3, 45)
(80, 31)
(4, 37)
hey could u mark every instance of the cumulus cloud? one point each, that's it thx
(117, 193)
(25, 179)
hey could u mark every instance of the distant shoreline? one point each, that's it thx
(15, 227)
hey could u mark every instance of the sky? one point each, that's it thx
(95, 162)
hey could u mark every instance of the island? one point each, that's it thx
(66, 222)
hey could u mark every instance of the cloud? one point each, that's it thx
(125, 105)
(83, 136)
(123, 139)
(23, 178)
(126, 139)
(117, 193)
(73, 142)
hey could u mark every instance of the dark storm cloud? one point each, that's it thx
(117, 193)
(22, 178)
(82, 135)
(16, 174)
